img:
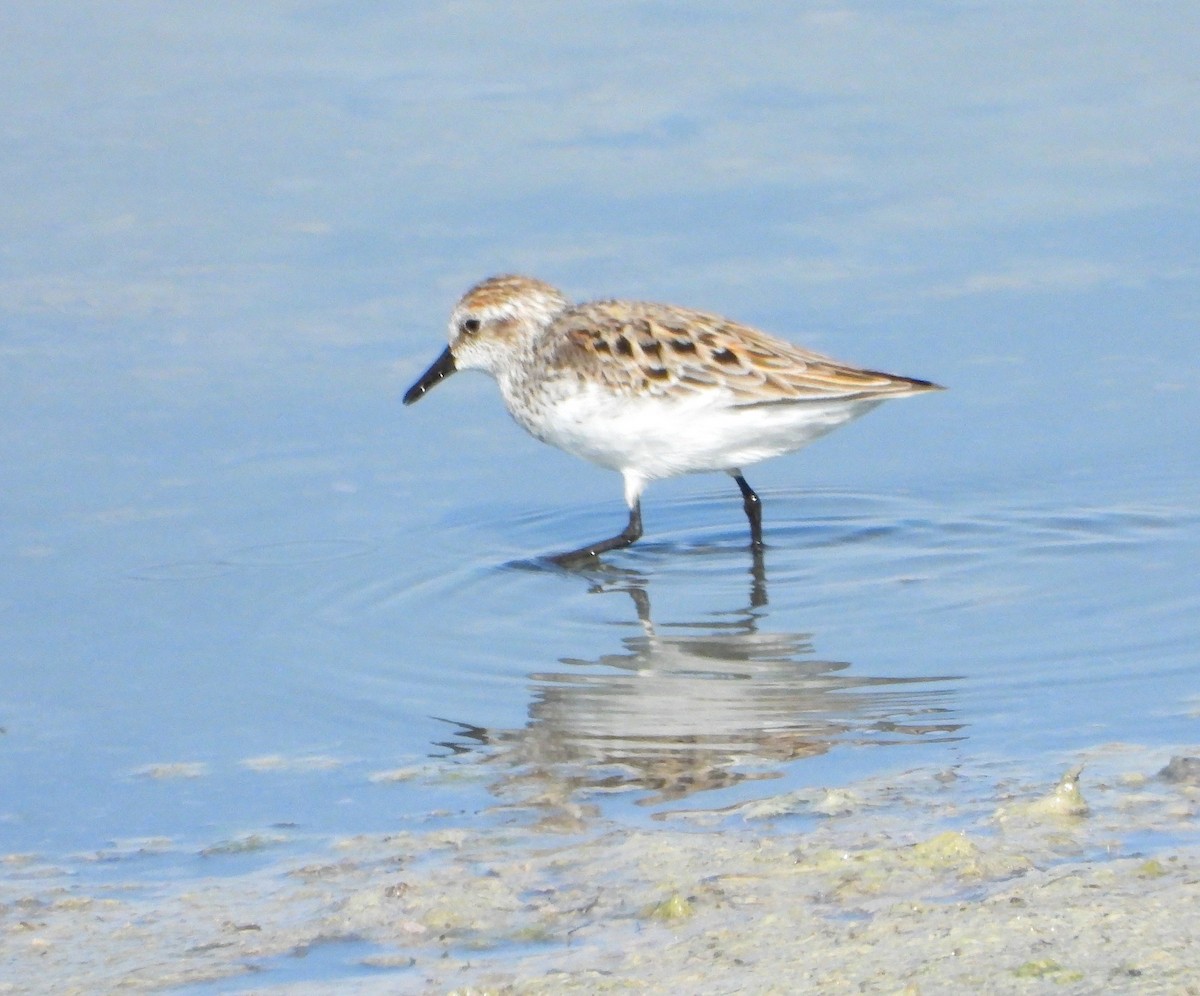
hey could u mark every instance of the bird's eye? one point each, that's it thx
(470, 325)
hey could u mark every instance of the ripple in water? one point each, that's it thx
(685, 665)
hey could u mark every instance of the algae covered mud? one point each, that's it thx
(929, 881)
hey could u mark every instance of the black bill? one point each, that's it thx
(442, 368)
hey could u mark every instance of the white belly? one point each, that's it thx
(653, 438)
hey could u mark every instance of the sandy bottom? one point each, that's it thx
(923, 882)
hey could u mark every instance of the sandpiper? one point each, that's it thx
(651, 390)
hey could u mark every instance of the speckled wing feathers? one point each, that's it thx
(665, 351)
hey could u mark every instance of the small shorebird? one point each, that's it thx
(651, 390)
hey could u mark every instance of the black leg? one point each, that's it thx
(630, 534)
(753, 507)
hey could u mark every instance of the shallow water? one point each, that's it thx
(249, 601)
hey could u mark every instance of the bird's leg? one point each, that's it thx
(753, 506)
(630, 534)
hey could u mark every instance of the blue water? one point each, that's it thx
(337, 960)
(230, 239)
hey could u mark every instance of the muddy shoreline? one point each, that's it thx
(919, 882)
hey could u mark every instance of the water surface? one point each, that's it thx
(249, 598)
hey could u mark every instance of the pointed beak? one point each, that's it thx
(442, 368)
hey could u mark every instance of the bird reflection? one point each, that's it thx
(687, 707)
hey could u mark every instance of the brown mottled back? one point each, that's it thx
(662, 350)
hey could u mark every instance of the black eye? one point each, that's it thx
(470, 325)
